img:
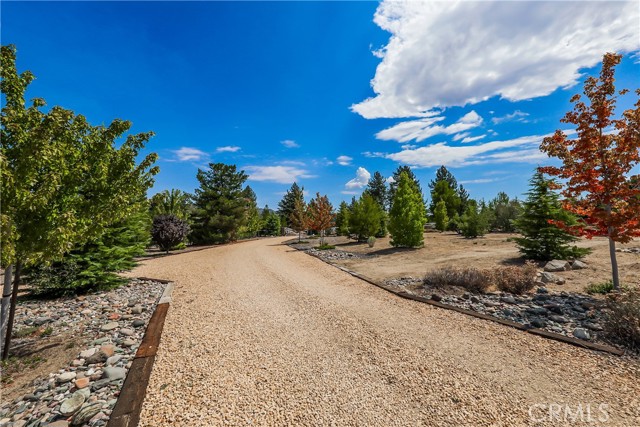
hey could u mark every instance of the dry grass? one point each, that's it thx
(622, 318)
(515, 280)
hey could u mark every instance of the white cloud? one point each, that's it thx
(188, 154)
(523, 149)
(443, 54)
(391, 180)
(344, 160)
(289, 143)
(373, 154)
(360, 181)
(350, 192)
(469, 139)
(517, 116)
(227, 149)
(422, 129)
(459, 136)
(279, 174)
(479, 181)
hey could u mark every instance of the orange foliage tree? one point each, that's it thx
(597, 164)
(321, 215)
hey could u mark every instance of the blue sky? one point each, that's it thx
(326, 93)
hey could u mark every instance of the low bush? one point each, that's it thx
(622, 318)
(516, 280)
(470, 278)
(325, 247)
(371, 241)
(599, 288)
(169, 231)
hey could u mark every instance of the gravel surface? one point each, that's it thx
(110, 326)
(261, 334)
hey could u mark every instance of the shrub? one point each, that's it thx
(622, 318)
(516, 280)
(168, 231)
(470, 278)
(371, 241)
(599, 288)
(325, 247)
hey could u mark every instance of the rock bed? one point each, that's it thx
(332, 255)
(111, 326)
(564, 313)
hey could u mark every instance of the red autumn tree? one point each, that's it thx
(321, 215)
(596, 165)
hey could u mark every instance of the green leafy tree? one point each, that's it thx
(63, 180)
(342, 219)
(365, 217)
(504, 211)
(220, 204)
(271, 224)
(407, 214)
(377, 188)
(299, 219)
(443, 192)
(287, 205)
(440, 216)
(171, 202)
(541, 239)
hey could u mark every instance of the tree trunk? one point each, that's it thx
(12, 311)
(299, 236)
(4, 306)
(614, 264)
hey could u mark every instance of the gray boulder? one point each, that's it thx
(557, 265)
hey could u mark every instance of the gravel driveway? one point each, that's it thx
(260, 334)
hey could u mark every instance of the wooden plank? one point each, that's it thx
(126, 412)
(151, 340)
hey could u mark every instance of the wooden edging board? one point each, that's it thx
(535, 331)
(126, 412)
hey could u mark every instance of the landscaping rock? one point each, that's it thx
(98, 357)
(66, 377)
(109, 326)
(550, 278)
(113, 373)
(578, 265)
(71, 405)
(86, 413)
(138, 323)
(581, 333)
(557, 265)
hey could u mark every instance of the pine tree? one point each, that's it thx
(475, 220)
(365, 217)
(252, 223)
(541, 239)
(393, 185)
(443, 174)
(407, 214)
(219, 204)
(287, 205)
(171, 202)
(342, 219)
(377, 188)
(443, 192)
(271, 224)
(503, 212)
(440, 216)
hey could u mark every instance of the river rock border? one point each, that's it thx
(532, 330)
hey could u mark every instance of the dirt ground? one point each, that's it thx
(450, 249)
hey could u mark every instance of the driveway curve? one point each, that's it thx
(261, 334)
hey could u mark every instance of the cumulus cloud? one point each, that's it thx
(228, 149)
(279, 174)
(443, 54)
(344, 160)
(360, 181)
(188, 154)
(517, 116)
(289, 143)
(422, 129)
(523, 149)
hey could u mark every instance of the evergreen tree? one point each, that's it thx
(93, 266)
(365, 217)
(440, 216)
(342, 219)
(443, 174)
(377, 188)
(541, 239)
(299, 219)
(271, 224)
(475, 220)
(287, 205)
(407, 214)
(464, 199)
(219, 204)
(503, 212)
(393, 185)
(443, 192)
(253, 222)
